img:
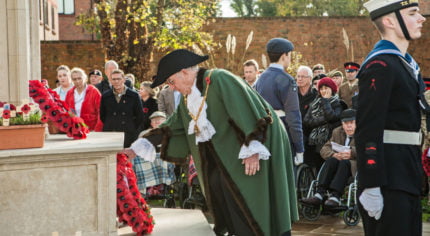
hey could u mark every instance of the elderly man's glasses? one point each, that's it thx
(170, 81)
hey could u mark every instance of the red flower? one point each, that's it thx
(145, 110)
(57, 110)
(208, 80)
(44, 118)
(6, 114)
(1, 104)
(12, 107)
(26, 109)
(131, 207)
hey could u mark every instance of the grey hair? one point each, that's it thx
(307, 69)
(81, 71)
(194, 68)
(111, 62)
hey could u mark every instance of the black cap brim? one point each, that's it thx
(174, 62)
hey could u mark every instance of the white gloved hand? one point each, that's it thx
(372, 201)
(298, 159)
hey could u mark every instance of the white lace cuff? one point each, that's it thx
(143, 148)
(206, 130)
(253, 148)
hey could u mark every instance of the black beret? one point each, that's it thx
(279, 45)
(95, 72)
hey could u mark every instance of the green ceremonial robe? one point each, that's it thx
(239, 115)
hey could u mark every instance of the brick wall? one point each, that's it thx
(87, 55)
(68, 29)
(425, 7)
(319, 40)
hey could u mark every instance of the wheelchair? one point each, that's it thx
(348, 201)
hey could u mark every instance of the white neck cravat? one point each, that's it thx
(206, 129)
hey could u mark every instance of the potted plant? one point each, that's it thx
(21, 127)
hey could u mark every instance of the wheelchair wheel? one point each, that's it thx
(351, 217)
(311, 213)
(305, 176)
(188, 204)
(169, 203)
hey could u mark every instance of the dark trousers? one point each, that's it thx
(401, 215)
(229, 216)
(129, 138)
(227, 213)
(334, 176)
(312, 157)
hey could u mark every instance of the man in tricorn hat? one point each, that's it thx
(388, 123)
(350, 87)
(239, 146)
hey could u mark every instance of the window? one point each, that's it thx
(45, 12)
(40, 10)
(66, 7)
(53, 17)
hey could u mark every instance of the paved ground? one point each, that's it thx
(334, 226)
(180, 222)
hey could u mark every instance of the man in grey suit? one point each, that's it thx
(168, 100)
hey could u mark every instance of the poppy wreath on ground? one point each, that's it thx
(131, 207)
(57, 110)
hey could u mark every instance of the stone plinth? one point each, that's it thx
(67, 186)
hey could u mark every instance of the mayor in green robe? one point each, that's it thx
(239, 145)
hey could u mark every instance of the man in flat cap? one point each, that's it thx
(350, 87)
(388, 123)
(280, 91)
(239, 146)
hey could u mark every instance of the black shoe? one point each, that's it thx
(314, 201)
(331, 202)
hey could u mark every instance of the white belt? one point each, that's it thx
(280, 113)
(402, 137)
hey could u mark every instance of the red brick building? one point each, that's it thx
(48, 18)
(68, 11)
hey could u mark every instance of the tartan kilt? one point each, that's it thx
(153, 173)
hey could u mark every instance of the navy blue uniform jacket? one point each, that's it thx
(279, 89)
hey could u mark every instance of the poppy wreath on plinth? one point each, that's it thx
(131, 207)
(57, 110)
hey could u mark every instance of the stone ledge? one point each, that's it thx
(178, 222)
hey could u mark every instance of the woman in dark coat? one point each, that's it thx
(149, 103)
(322, 117)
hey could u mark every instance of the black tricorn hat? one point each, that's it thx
(174, 62)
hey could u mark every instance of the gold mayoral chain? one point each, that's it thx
(195, 118)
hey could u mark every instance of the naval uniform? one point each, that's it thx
(388, 103)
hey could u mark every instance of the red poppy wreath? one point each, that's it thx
(57, 110)
(131, 207)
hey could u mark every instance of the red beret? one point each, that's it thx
(327, 81)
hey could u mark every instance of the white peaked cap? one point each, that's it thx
(378, 8)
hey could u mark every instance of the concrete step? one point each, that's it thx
(178, 222)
